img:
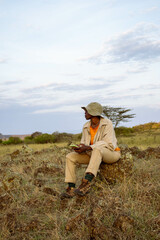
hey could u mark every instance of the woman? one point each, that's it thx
(98, 144)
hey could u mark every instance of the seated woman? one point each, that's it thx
(98, 144)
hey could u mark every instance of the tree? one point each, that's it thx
(45, 138)
(36, 134)
(117, 114)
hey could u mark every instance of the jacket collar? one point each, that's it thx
(103, 121)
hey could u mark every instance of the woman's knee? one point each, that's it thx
(111, 157)
(97, 151)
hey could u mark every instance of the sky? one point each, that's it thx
(59, 55)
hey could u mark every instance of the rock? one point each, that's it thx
(119, 170)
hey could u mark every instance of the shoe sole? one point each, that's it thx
(81, 194)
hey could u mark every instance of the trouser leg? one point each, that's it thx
(71, 160)
(97, 155)
(101, 154)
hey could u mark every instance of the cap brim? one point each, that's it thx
(83, 108)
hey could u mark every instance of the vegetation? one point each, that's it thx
(141, 140)
(117, 114)
(12, 140)
(36, 134)
(45, 138)
(29, 140)
(63, 137)
(142, 136)
(124, 131)
(147, 127)
(32, 178)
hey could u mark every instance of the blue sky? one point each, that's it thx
(56, 56)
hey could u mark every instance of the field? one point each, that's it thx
(142, 140)
(32, 179)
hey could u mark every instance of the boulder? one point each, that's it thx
(119, 170)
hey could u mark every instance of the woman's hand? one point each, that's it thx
(82, 148)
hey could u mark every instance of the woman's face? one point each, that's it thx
(87, 115)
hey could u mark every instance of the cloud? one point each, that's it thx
(52, 95)
(56, 97)
(137, 68)
(151, 9)
(3, 60)
(110, 80)
(63, 109)
(66, 105)
(64, 87)
(68, 97)
(135, 45)
(11, 82)
(151, 86)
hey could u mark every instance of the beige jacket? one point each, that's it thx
(105, 136)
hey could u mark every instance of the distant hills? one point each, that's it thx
(147, 126)
(4, 137)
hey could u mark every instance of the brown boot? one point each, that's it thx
(68, 194)
(83, 188)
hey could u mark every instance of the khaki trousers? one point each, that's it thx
(92, 158)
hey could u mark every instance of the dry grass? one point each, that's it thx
(142, 139)
(31, 181)
(7, 149)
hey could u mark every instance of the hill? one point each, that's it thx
(4, 136)
(147, 126)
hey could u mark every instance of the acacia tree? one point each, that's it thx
(117, 114)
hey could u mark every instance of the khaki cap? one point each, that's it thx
(94, 109)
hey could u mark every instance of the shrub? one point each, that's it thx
(13, 140)
(29, 139)
(45, 138)
(62, 137)
(36, 134)
(79, 136)
(0, 141)
(124, 131)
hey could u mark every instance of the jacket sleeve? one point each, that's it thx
(107, 139)
(83, 137)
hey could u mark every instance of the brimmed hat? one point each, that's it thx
(94, 109)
